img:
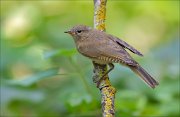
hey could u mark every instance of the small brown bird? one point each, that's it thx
(104, 48)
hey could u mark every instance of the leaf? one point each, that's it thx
(34, 78)
(76, 99)
(60, 52)
(9, 94)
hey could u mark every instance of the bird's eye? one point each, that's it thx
(79, 31)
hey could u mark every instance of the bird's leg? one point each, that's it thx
(111, 66)
(95, 76)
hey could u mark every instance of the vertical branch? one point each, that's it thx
(107, 91)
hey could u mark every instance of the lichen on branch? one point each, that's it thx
(107, 91)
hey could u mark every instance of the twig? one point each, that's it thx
(107, 91)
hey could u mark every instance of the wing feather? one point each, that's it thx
(108, 50)
(125, 45)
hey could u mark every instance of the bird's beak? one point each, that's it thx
(68, 32)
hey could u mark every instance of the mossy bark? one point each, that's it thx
(107, 91)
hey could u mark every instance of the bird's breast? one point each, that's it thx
(83, 46)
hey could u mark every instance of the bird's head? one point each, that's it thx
(79, 31)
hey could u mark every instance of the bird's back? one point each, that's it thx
(98, 46)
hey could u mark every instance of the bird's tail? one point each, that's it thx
(144, 76)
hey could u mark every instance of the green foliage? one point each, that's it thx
(29, 80)
(61, 52)
(42, 74)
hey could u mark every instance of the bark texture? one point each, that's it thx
(107, 91)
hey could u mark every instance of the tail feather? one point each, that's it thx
(144, 76)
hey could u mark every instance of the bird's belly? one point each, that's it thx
(100, 61)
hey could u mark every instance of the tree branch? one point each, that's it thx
(107, 91)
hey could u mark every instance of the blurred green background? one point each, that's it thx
(42, 74)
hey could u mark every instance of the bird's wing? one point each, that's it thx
(117, 53)
(125, 45)
(106, 50)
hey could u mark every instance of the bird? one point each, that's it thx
(103, 48)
